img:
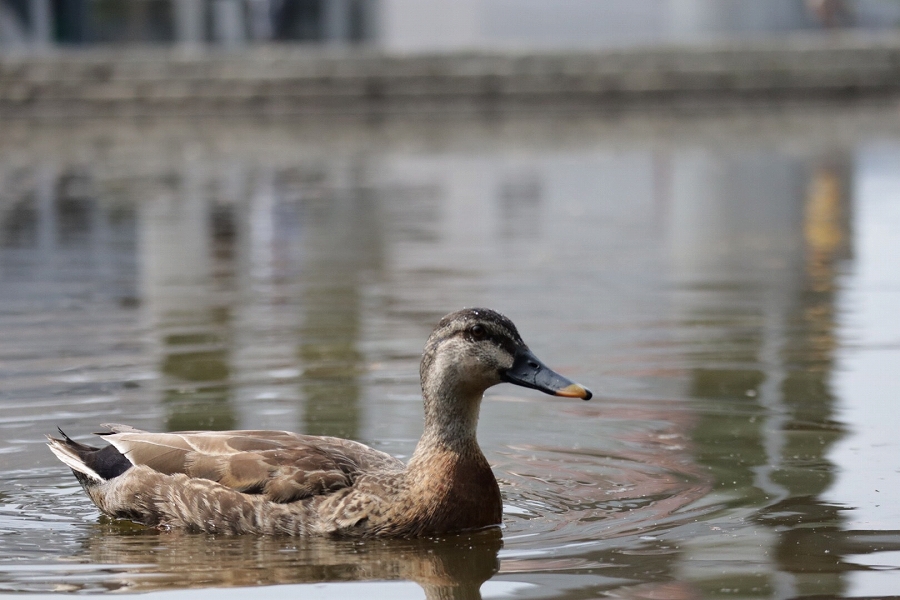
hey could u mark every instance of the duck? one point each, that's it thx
(284, 483)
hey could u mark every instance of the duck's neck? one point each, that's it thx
(451, 413)
(450, 480)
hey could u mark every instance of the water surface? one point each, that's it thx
(726, 285)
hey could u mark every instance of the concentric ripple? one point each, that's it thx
(568, 503)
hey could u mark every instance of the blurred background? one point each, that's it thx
(424, 25)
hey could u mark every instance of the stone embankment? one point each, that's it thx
(273, 81)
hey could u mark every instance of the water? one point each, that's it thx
(727, 286)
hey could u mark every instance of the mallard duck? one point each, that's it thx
(277, 482)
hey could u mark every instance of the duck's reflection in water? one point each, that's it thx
(447, 568)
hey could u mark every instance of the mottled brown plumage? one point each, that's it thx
(277, 482)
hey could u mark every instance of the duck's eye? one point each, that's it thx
(478, 332)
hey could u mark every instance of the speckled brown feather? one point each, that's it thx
(281, 465)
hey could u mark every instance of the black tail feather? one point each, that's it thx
(106, 462)
(75, 445)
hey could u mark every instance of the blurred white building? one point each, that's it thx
(414, 25)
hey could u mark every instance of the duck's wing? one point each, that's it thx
(282, 465)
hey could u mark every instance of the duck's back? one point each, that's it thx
(280, 465)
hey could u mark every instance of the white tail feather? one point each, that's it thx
(71, 460)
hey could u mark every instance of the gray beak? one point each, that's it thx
(530, 372)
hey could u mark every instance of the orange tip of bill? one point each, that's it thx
(575, 391)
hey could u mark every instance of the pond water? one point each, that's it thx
(727, 285)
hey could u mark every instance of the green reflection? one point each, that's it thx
(331, 362)
(725, 383)
(728, 432)
(197, 365)
(208, 365)
(202, 408)
(740, 585)
(343, 247)
(190, 406)
(184, 276)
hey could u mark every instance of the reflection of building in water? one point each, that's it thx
(341, 233)
(188, 319)
(269, 291)
(729, 214)
(250, 280)
(55, 228)
(66, 282)
(866, 376)
(255, 297)
(519, 203)
(756, 245)
(262, 235)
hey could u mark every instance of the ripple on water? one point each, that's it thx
(34, 507)
(569, 503)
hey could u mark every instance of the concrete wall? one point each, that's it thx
(292, 81)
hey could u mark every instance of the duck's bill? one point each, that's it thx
(530, 372)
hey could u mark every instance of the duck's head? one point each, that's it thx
(475, 348)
